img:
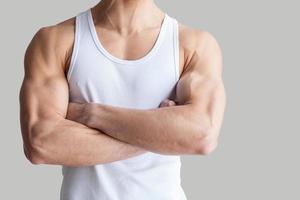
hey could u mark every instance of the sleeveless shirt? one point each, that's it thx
(95, 75)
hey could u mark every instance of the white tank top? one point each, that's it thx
(95, 75)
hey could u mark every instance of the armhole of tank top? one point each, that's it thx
(75, 46)
(176, 49)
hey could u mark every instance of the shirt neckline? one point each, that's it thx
(125, 61)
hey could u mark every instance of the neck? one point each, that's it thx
(128, 15)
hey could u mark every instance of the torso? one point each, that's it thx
(84, 87)
(140, 78)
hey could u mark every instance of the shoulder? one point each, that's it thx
(52, 43)
(197, 44)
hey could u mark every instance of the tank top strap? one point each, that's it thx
(81, 30)
(176, 45)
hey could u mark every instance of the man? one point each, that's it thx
(116, 95)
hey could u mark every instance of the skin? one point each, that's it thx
(56, 131)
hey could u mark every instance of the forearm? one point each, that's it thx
(72, 144)
(168, 130)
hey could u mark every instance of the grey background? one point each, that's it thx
(258, 154)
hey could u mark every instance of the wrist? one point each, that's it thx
(93, 113)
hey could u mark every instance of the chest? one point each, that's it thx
(97, 79)
(128, 47)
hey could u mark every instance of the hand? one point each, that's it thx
(76, 112)
(167, 103)
(79, 111)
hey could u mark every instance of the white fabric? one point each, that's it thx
(95, 75)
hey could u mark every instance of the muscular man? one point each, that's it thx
(115, 95)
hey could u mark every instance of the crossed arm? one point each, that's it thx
(191, 127)
(51, 138)
(48, 137)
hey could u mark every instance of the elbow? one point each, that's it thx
(206, 149)
(33, 152)
(33, 156)
(206, 143)
(37, 143)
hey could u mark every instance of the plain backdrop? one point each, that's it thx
(258, 153)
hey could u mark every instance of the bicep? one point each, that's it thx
(44, 91)
(201, 85)
(43, 98)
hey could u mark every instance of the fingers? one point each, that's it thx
(167, 102)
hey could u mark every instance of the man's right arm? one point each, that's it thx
(48, 137)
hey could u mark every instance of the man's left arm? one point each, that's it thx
(191, 127)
